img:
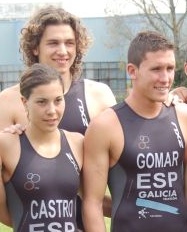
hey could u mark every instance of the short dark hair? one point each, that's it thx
(35, 75)
(147, 41)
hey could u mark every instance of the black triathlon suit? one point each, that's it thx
(76, 119)
(147, 183)
(42, 192)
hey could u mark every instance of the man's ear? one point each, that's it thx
(185, 67)
(132, 71)
(35, 52)
(24, 101)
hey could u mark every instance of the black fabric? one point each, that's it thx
(147, 183)
(79, 213)
(75, 116)
(76, 119)
(45, 189)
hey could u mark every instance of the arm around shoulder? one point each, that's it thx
(12, 110)
(181, 92)
(9, 157)
(4, 215)
(181, 110)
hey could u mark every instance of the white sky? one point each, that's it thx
(81, 8)
(85, 8)
(90, 8)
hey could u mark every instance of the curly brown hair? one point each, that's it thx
(32, 33)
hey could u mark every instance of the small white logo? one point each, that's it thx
(73, 162)
(144, 142)
(176, 130)
(32, 179)
(82, 111)
(142, 213)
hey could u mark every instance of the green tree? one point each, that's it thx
(159, 15)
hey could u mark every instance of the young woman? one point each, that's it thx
(40, 169)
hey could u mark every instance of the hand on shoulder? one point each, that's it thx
(14, 129)
(177, 95)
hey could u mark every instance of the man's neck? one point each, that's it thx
(67, 80)
(145, 108)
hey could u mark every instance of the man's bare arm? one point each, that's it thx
(95, 175)
(4, 215)
(11, 108)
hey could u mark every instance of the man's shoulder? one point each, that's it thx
(10, 93)
(98, 97)
(10, 101)
(95, 84)
(99, 89)
(7, 138)
(6, 150)
(181, 108)
(106, 116)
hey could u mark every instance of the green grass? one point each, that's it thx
(107, 222)
(4, 228)
(7, 229)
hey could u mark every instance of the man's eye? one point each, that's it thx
(59, 100)
(156, 69)
(171, 68)
(41, 102)
(70, 43)
(52, 43)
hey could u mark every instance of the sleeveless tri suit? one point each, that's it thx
(76, 119)
(147, 183)
(42, 192)
(75, 116)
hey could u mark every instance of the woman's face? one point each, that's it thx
(45, 106)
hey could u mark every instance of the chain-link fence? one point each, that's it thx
(9, 75)
(111, 73)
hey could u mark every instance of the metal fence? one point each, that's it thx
(9, 75)
(111, 73)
